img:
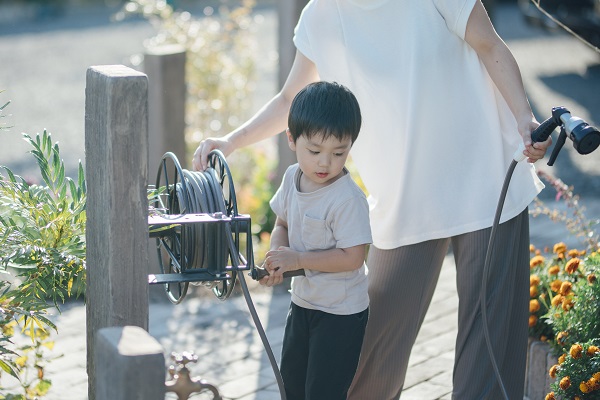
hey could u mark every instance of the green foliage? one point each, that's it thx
(565, 301)
(220, 69)
(42, 228)
(42, 247)
(578, 321)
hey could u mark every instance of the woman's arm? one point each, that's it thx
(504, 71)
(270, 120)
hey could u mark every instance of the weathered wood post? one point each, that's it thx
(130, 365)
(288, 13)
(116, 147)
(165, 67)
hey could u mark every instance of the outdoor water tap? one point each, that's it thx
(182, 384)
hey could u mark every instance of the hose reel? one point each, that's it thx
(198, 231)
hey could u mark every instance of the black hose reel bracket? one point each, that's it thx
(200, 236)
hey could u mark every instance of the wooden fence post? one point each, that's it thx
(116, 147)
(130, 365)
(165, 67)
(288, 13)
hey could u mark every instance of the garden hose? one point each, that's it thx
(585, 140)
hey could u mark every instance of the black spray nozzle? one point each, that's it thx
(585, 138)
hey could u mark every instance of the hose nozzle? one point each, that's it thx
(585, 137)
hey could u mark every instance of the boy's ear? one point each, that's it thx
(291, 142)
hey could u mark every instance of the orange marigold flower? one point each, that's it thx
(561, 339)
(553, 270)
(559, 248)
(562, 358)
(573, 253)
(533, 291)
(535, 261)
(583, 386)
(565, 383)
(572, 265)
(593, 383)
(532, 321)
(582, 253)
(534, 306)
(553, 370)
(591, 351)
(557, 300)
(596, 376)
(543, 338)
(576, 398)
(555, 285)
(560, 256)
(531, 248)
(565, 288)
(567, 304)
(576, 351)
(591, 278)
(534, 280)
(550, 396)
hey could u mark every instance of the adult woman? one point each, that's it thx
(443, 111)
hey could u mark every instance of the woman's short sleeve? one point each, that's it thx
(301, 37)
(456, 14)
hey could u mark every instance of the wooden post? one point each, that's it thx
(116, 147)
(130, 365)
(165, 67)
(288, 14)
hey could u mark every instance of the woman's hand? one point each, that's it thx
(533, 151)
(200, 161)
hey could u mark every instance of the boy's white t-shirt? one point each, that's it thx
(335, 216)
(437, 136)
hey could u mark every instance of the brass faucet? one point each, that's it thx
(181, 383)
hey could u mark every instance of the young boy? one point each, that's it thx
(322, 227)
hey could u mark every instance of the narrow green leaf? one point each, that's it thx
(8, 369)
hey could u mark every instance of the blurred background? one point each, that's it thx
(237, 53)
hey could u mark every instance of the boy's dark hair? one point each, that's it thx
(324, 108)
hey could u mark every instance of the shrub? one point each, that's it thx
(42, 233)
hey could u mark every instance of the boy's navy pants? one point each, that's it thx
(320, 353)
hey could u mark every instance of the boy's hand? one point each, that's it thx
(282, 260)
(277, 262)
(271, 279)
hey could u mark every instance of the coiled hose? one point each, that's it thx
(188, 248)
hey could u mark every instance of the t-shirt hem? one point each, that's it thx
(346, 310)
(507, 214)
